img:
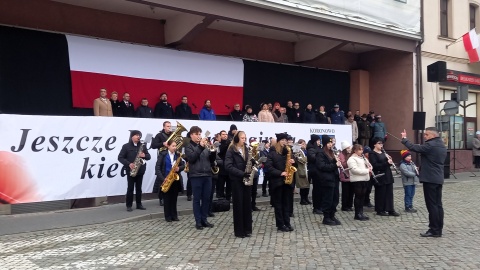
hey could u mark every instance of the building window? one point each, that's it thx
(473, 16)
(444, 18)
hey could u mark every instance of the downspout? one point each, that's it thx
(419, 97)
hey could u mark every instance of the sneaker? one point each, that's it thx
(410, 210)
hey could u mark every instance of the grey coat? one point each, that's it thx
(476, 147)
(199, 160)
(433, 153)
(409, 174)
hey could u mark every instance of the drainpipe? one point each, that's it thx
(418, 51)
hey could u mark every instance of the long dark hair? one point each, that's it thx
(328, 152)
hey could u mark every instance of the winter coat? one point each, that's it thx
(301, 176)
(250, 118)
(358, 169)
(164, 110)
(144, 112)
(183, 111)
(237, 115)
(199, 160)
(275, 165)
(379, 129)
(380, 165)
(312, 150)
(354, 129)
(309, 116)
(434, 154)
(235, 162)
(162, 172)
(159, 139)
(344, 177)
(364, 131)
(322, 118)
(265, 116)
(207, 114)
(327, 169)
(476, 147)
(129, 153)
(409, 174)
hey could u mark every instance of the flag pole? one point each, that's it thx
(453, 42)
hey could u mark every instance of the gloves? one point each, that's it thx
(246, 175)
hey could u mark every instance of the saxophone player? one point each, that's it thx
(236, 159)
(127, 157)
(167, 160)
(160, 141)
(281, 193)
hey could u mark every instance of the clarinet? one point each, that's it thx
(393, 163)
(342, 169)
(416, 168)
(374, 176)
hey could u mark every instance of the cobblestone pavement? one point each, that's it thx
(381, 243)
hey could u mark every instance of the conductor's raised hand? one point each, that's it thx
(404, 134)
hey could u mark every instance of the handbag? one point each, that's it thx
(221, 205)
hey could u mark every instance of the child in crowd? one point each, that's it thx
(409, 179)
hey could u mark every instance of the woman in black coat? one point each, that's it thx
(327, 167)
(280, 192)
(166, 160)
(313, 147)
(384, 188)
(236, 159)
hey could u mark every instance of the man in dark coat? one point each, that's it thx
(237, 114)
(433, 153)
(309, 115)
(224, 189)
(144, 111)
(127, 156)
(184, 111)
(364, 131)
(163, 109)
(125, 107)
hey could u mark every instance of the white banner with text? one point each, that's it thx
(45, 158)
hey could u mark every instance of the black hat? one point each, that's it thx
(281, 136)
(233, 127)
(376, 140)
(265, 141)
(289, 138)
(367, 150)
(326, 139)
(314, 137)
(247, 107)
(135, 132)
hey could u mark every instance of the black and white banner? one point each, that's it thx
(44, 158)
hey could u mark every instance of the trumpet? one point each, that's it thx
(342, 169)
(393, 163)
(374, 176)
(213, 152)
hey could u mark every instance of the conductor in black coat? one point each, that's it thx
(236, 159)
(166, 161)
(279, 191)
(327, 167)
(384, 186)
(127, 157)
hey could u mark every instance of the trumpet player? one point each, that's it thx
(328, 172)
(159, 141)
(199, 159)
(384, 188)
(166, 161)
(360, 170)
(281, 193)
(409, 179)
(236, 159)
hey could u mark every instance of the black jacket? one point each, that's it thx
(221, 154)
(199, 160)
(160, 170)
(322, 118)
(128, 154)
(159, 139)
(327, 169)
(309, 116)
(163, 110)
(115, 107)
(125, 111)
(434, 154)
(237, 115)
(275, 165)
(380, 165)
(312, 151)
(235, 164)
(144, 112)
(183, 111)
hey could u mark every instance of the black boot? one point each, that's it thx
(337, 222)
(328, 221)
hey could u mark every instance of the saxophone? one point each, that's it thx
(171, 176)
(289, 169)
(251, 168)
(138, 161)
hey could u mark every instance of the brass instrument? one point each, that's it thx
(374, 176)
(393, 163)
(252, 163)
(213, 149)
(342, 169)
(138, 161)
(289, 168)
(176, 136)
(172, 175)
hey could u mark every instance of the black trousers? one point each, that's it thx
(134, 182)
(242, 208)
(170, 201)
(433, 200)
(224, 187)
(281, 197)
(359, 188)
(316, 193)
(477, 161)
(347, 195)
(366, 200)
(214, 184)
(254, 191)
(265, 183)
(189, 186)
(304, 194)
(330, 199)
(384, 198)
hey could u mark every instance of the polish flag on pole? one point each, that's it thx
(474, 55)
(470, 40)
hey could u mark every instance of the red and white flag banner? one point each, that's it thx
(471, 43)
(146, 72)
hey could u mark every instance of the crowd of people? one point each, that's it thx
(223, 165)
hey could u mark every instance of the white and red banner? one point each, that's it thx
(471, 43)
(44, 158)
(146, 72)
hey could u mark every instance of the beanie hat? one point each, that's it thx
(233, 127)
(281, 136)
(367, 150)
(135, 132)
(405, 153)
(314, 137)
(326, 139)
(345, 145)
